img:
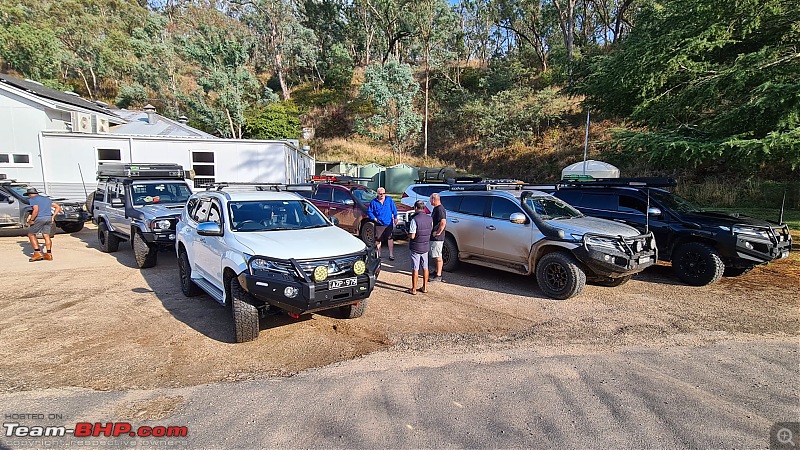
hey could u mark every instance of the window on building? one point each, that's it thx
(22, 159)
(4, 158)
(109, 154)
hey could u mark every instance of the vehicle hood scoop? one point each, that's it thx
(161, 210)
(312, 243)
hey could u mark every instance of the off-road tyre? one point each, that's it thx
(697, 264)
(449, 254)
(146, 254)
(612, 282)
(354, 311)
(188, 287)
(731, 272)
(109, 243)
(367, 233)
(559, 275)
(245, 314)
(70, 227)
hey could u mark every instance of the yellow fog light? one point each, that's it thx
(320, 273)
(359, 267)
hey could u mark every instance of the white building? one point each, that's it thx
(54, 140)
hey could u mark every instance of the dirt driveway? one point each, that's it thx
(93, 320)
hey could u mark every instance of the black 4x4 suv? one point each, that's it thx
(701, 245)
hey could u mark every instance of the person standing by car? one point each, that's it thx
(419, 244)
(43, 211)
(439, 217)
(383, 212)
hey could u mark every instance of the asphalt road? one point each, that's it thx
(718, 395)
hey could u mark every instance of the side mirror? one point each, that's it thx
(10, 200)
(209, 229)
(116, 203)
(335, 221)
(518, 218)
(653, 211)
(349, 202)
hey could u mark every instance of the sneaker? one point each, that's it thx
(434, 279)
(48, 256)
(37, 256)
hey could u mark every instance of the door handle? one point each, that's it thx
(491, 227)
(454, 220)
(202, 240)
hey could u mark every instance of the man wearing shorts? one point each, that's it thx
(419, 244)
(437, 236)
(40, 221)
(383, 212)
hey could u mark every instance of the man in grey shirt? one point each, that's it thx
(43, 211)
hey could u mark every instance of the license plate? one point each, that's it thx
(645, 260)
(344, 282)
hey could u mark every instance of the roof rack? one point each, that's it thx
(275, 187)
(142, 171)
(489, 185)
(338, 179)
(625, 182)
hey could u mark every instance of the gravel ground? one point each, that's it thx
(89, 319)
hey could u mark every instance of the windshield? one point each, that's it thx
(674, 202)
(152, 193)
(365, 195)
(549, 207)
(20, 189)
(273, 215)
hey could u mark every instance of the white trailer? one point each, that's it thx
(69, 160)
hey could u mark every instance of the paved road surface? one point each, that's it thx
(718, 395)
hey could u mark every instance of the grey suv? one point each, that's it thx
(139, 203)
(507, 227)
(15, 209)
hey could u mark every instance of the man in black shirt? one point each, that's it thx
(439, 216)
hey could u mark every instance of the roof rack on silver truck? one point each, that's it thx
(141, 171)
(489, 185)
(656, 182)
(276, 187)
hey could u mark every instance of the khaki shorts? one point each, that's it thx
(41, 225)
(436, 249)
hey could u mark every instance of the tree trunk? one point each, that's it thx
(427, 97)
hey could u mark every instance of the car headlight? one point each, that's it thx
(359, 267)
(159, 225)
(264, 265)
(750, 231)
(320, 273)
(68, 208)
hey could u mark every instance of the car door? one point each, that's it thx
(632, 210)
(211, 248)
(502, 239)
(9, 212)
(344, 208)
(322, 199)
(200, 253)
(115, 215)
(470, 223)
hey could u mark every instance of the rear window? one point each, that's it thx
(428, 190)
(608, 202)
(473, 204)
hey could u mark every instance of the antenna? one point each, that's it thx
(783, 203)
(586, 143)
(647, 214)
(83, 182)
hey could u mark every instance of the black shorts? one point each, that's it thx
(383, 233)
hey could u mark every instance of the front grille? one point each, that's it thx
(336, 266)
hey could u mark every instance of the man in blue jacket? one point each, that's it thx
(383, 212)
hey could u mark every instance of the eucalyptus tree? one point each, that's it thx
(434, 21)
(222, 54)
(391, 89)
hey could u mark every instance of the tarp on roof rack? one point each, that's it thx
(595, 169)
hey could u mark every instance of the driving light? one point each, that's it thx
(359, 267)
(161, 225)
(290, 291)
(320, 273)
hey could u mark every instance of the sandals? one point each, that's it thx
(412, 292)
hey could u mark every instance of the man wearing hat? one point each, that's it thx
(419, 244)
(43, 211)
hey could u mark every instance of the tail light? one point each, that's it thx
(404, 195)
(427, 211)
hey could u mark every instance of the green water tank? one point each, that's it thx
(399, 176)
(375, 171)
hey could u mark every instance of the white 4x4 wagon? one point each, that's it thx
(259, 250)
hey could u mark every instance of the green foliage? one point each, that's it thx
(133, 95)
(391, 88)
(34, 52)
(274, 121)
(515, 115)
(715, 82)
